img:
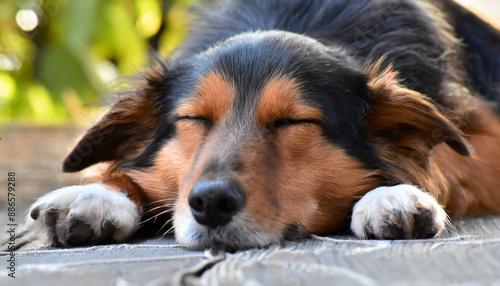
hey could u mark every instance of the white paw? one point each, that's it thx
(85, 215)
(398, 212)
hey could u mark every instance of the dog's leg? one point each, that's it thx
(85, 215)
(398, 212)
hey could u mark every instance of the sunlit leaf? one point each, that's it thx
(177, 26)
(53, 74)
(41, 104)
(79, 22)
(7, 87)
(7, 92)
(60, 70)
(128, 48)
(149, 17)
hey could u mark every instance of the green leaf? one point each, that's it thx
(79, 22)
(59, 70)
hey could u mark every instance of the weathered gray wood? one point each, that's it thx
(467, 254)
(137, 264)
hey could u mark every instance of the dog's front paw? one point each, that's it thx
(398, 212)
(85, 215)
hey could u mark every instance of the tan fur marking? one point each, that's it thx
(125, 184)
(308, 183)
(164, 179)
(281, 99)
(214, 100)
(174, 174)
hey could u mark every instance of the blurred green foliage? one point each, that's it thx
(56, 56)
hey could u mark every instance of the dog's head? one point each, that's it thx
(265, 136)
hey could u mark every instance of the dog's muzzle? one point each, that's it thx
(214, 203)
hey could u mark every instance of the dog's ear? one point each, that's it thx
(406, 123)
(124, 129)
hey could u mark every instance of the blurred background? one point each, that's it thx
(58, 56)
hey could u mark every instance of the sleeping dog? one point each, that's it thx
(277, 119)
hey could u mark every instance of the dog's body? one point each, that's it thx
(278, 119)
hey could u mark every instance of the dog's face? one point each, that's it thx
(266, 136)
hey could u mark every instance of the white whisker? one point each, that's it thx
(157, 215)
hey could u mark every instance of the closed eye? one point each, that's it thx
(198, 119)
(285, 122)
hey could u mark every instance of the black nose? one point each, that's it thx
(214, 203)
